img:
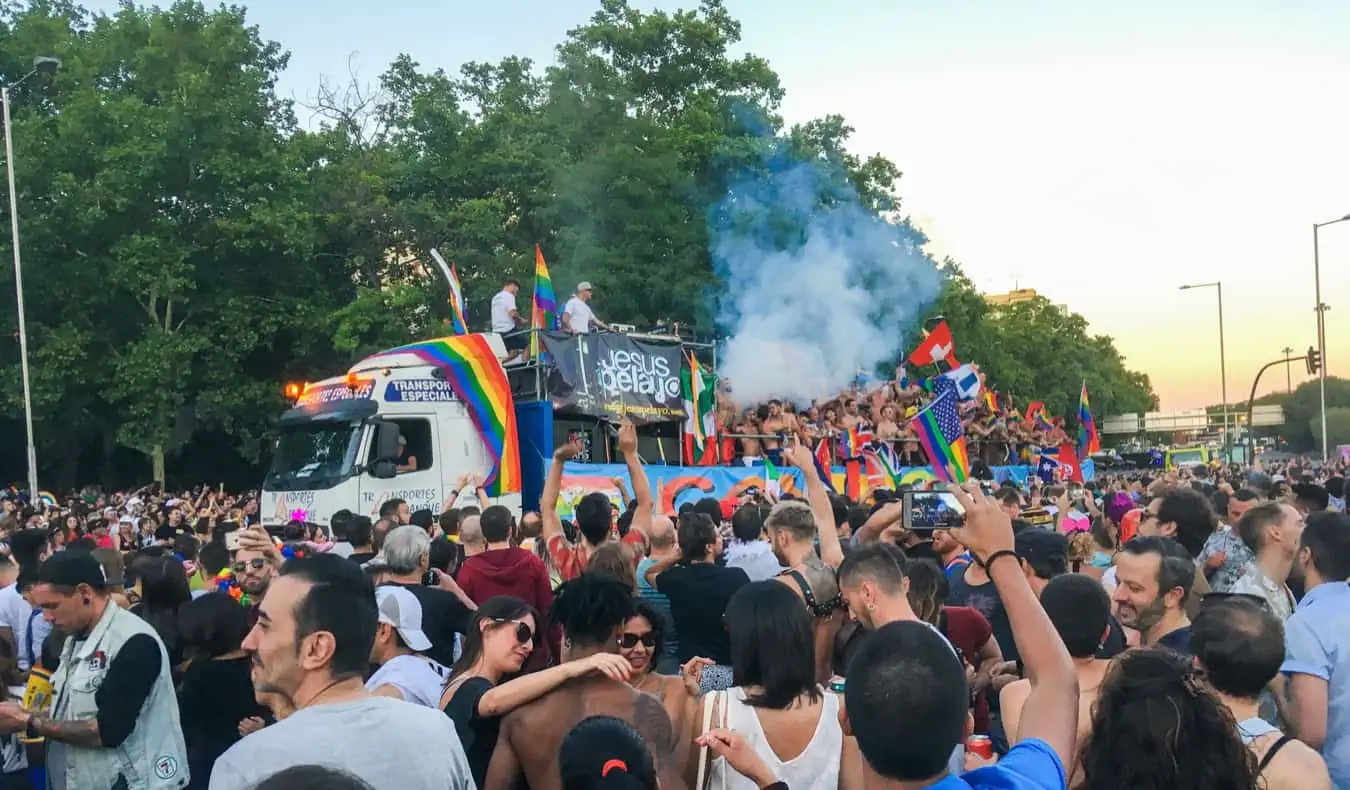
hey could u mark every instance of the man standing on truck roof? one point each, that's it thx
(506, 320)
(577, 317)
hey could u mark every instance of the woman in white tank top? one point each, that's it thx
(776, 705)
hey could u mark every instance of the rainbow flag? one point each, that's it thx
(1088, 440)
(943, 438)
(457, 323)
(477, 378)
(853, 441)
(544, 307)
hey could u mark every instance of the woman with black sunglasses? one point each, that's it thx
(641, 643)
(485, 683)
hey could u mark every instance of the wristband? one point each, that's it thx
(989, 561)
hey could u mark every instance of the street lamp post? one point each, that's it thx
(41, 65)
(1321, 310)
(1223, 365)
(1288, 376)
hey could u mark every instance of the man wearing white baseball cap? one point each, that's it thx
(577, 317)
(404, 673)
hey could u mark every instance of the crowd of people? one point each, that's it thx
(997, 432)
(1173, 630)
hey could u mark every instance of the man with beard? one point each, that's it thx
(311, 646)
(876, 592)
(1154, 578)
(114, 718)
(591, 610)
(255, 562)
(793, 529)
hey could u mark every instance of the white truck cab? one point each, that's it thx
(391, 428)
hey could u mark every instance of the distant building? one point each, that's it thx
(1011, 297)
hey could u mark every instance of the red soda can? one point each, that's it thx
(980, 745)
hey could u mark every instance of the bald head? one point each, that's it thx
(663, 533)
(471, 535)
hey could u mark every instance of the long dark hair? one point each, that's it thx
(493, 610)
(928, 588)
(1155, 702)
(772, 644)
(164, 588)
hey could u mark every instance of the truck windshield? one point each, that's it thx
(313, 455)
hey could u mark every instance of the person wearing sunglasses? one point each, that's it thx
(641, 643)
(485, 683)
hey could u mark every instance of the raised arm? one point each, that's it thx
(831, 553)
(642, 488)
(550, 524)
(1050, 713)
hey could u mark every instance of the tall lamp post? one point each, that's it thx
(1288, 376)
(41, 65)
(1223, 365)
(1321, 310)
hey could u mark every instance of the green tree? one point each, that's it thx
(1338, 427)
(1037, 351)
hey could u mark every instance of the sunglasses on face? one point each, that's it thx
(630, 641)
(256, 564)
(523, 631)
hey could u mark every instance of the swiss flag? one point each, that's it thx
(1068, 463)
(937, 345)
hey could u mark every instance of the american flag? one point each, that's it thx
(943, 438)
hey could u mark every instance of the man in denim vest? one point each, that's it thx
(114, 715)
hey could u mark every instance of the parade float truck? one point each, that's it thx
(409, 422)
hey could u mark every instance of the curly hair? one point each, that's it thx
(1157, 725)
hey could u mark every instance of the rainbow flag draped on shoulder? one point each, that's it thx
(476, 376)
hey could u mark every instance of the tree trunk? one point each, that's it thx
(157, 464)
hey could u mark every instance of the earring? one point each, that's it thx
(871, 607)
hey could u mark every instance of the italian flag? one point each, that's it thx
(771, 484)
(700, 409)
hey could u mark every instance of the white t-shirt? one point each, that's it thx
(421, 680)
(503, 305)
(14, 615)
(579, 315)
(386, 742)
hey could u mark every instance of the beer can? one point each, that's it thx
(37, 696)
(980, 745)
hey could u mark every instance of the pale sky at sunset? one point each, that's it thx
(1102, 153)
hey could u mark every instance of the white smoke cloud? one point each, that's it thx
(844, 294)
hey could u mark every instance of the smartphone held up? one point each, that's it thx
(926, 511)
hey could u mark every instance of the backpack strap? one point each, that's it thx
(817, 608)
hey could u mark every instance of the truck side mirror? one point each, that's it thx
(385, 463)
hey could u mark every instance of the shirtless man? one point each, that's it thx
(772, 425)
(592, 610)
(751, 449)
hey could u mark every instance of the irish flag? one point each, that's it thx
(700, 409)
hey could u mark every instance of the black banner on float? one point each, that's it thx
(612, 376)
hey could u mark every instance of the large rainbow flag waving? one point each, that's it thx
(473, 372)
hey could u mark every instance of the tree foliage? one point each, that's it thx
(1302, 427)
(189, 247)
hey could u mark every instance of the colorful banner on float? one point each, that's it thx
(672, 486)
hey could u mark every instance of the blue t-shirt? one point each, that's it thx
(1030, 765)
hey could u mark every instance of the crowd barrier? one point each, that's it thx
(672, 486)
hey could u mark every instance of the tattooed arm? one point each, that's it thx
(80, 732)
(653, 723)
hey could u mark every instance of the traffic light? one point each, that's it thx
(1314, 361)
